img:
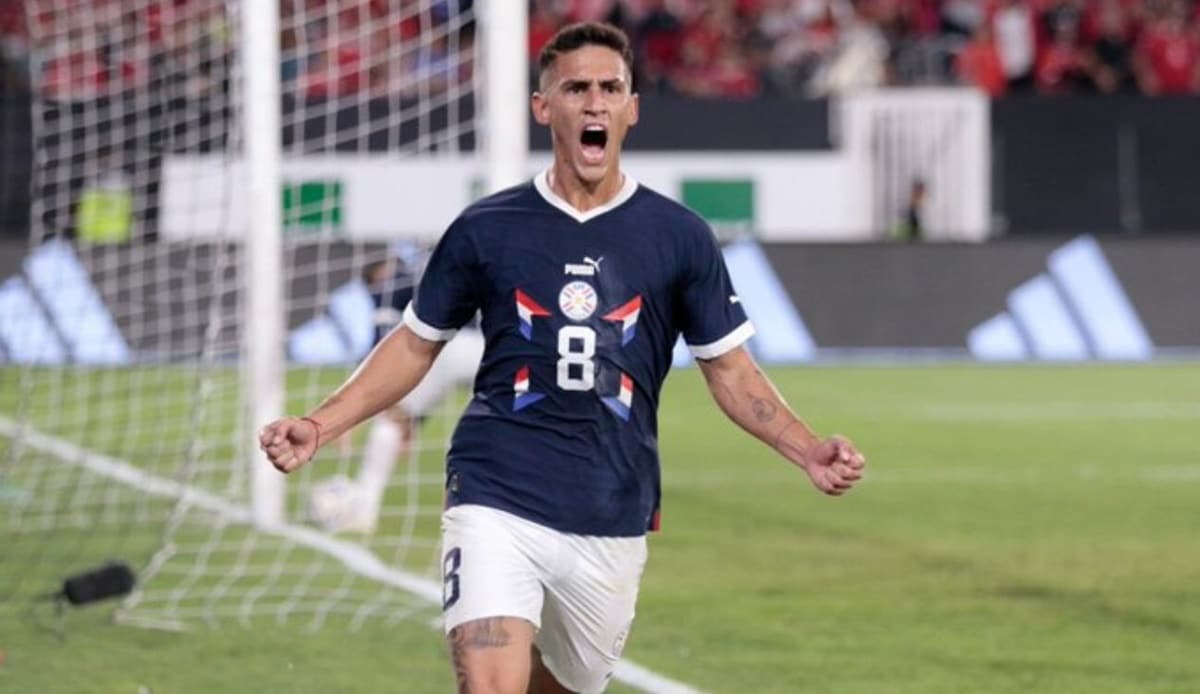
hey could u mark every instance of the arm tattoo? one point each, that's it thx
(764, 410)
(474, 635)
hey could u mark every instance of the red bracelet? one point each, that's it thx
(316, 425)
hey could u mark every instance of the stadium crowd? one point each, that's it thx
(708, 48)
(741, 48)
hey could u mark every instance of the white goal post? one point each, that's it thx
(264, 343)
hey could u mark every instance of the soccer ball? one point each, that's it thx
(333, 505)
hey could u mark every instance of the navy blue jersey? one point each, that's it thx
(580, 312)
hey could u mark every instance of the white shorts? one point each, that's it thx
(579, 591)
(456, 364)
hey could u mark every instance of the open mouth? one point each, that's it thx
(593, 141)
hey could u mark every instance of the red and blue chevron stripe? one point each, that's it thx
(622, 404)
(527, 310)
(522, 398)
(627, 316)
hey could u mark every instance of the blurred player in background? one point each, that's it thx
(394, 431)
(585, 280)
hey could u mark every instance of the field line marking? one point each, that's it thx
(1060, 411)
(354, 557)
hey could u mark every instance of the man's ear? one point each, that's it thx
(540, 106)
(633, 109)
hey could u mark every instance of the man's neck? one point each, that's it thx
(581, 195)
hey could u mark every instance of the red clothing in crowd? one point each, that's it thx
(979, 65)
(1172, 58)
(79, 75)
(541, 29)
(1059, 66)
(702, 42)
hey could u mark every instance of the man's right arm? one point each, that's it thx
(390, 371)
(747, 396)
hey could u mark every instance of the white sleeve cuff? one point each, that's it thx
(715, 349)
(425, 330)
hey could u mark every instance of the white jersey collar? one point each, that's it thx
(542, 183)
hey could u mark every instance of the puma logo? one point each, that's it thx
(588, 268)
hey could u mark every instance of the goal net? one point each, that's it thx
(124, 416)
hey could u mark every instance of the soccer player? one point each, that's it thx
(585, 279)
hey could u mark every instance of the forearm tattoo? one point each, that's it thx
(764, 410)
(475, 635)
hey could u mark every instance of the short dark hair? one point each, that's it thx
(369, 270)
(575, 36)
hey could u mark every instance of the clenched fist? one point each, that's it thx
(290, 442)
(834, 465)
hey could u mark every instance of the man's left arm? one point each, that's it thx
(747, 396)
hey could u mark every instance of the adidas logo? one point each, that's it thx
(1077, 310)
(52, 313)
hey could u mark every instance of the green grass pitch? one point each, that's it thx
(1021, 529)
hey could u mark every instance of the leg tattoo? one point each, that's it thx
(480, 634)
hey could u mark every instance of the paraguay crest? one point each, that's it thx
(577, 300)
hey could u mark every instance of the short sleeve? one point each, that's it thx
(446, 297)
(713, 320)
